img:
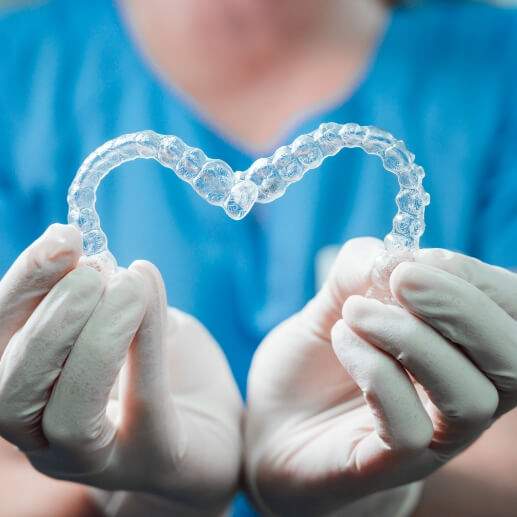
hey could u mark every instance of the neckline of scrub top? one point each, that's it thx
(314, 114)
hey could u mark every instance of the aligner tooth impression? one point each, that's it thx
(264, 181)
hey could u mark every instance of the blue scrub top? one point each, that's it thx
(443, 78)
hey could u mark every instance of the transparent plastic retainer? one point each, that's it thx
(264, 181)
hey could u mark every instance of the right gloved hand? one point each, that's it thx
(351, 400)
(171, 429)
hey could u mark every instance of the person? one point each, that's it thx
(350, 403)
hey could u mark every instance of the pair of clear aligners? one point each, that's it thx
(264, 181)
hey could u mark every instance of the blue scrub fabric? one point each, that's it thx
(442, 78)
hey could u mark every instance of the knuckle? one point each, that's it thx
(383, 370)
(63, 434)
(415, 440)
(403, 347)
(475, 411)
(55, 432)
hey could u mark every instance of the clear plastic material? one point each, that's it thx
(264, 181)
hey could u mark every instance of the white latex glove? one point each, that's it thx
(65, 333)
(344, 409)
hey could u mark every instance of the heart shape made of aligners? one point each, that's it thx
(264, 181)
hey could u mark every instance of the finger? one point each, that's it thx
(75, 418)
(192, 415)
(171, 341)
(147, 408)
(35, 355)
(463, 314)
(33, 274)
(401, 423)
(349, 275)
(497, 283)
(464, 396)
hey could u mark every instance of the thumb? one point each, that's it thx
(349, 275)
(33, 274)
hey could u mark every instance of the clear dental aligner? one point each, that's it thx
(264, 181)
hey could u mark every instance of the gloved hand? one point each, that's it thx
(171, 426)
(351, 397)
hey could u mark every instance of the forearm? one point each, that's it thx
(481, 481)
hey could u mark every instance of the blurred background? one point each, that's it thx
(450, 98)
(15, 3)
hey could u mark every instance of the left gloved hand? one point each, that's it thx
(323, 435)
(170, 428)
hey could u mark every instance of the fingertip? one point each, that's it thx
(351, 270)
(403, 279)
(59, 248)
(65, 236)
(147, 269)
(337, 333)
(358, 312)
(130, 281)
(154, 282)
(354, 308)
(411, 282)
(343, 340)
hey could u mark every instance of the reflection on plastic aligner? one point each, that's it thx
(266, 180)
